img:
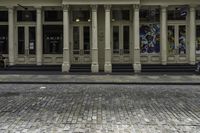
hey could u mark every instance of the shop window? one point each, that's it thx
(150, 38)
(178, 13)
(3, 16)
(150, 15)
(120, 15)
(53, 39)
(82, 15)
(3, 39)
(53, 16)
(28, 16)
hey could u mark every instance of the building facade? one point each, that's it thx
(100, 32)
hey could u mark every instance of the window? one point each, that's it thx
(28, 16)
(83, 15)
(178, 13)
(198, 39)
(120, 15)
(150, 15)
(53, 16)
(3, 39)
(3, 16)
(53, 39)
(150, 38)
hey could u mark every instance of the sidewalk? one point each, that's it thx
(101, 79)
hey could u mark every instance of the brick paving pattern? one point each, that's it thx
(99, 108)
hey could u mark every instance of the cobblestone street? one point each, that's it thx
(99, 108)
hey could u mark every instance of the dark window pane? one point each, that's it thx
(76, 40)
(150, 38)
(32, 45)
(198, 39)
(3, 39)
(53, 39)
(198, 14)
(29, 16)
(83, 15)
(179, 13)
(86, 43)
(53, 16)
(119, 15)
(115, 39)
(126, 40)
(21, 40)
(150, 15)
(3, 16)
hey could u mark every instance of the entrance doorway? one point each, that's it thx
(121, 43)
(177, 46)
(26, 36)
(81, 44)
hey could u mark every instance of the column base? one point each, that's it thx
(164, 62)
(108, 68)
(11, 63)
(95, 68)
(39, 63)
(65, 67)
(137, 68)
(192, 62)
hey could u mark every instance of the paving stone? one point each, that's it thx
(99, 108)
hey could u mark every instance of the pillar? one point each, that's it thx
(108, 65)
(163, 38)
(66, 52)
(11, 32)
(192, 36)
(39, 36)
(95, 65)
(136, 37)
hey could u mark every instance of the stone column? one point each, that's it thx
(136, 37)
(163, 32)
(66, 52)
(95, 65)
(11, 32)
(39, 46)
(192, 36)
(108, 65)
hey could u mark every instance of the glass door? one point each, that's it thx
(26, 44)
(120, 43)
(177, 47)
(81, 44)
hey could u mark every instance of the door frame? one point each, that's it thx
(178, 58)
(25, 58)
(80, 58)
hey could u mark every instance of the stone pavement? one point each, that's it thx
(97, 79)
(70, 108)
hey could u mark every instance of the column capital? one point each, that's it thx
(94, 8)
(192, 8)
(136, 7)
(65, 7)
(38, 7)
(10, 7)
(107, 7)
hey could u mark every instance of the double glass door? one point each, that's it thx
(177, 45)
(121, 44)
(81, 44)
(26, 44)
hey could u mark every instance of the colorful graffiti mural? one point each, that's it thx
(150, 38)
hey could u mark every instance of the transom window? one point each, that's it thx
(178, 13)
(120, 15)
(53, 16)
(27, 16)
(81, 16)
(150, 15)
(3, 16)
